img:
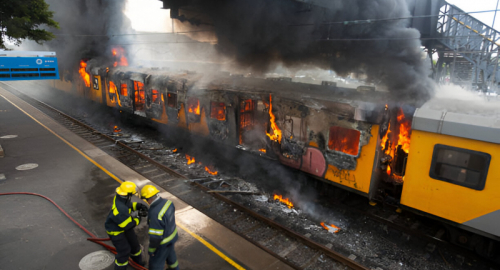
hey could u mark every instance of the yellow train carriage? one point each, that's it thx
(451, 172)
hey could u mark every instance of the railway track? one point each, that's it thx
(256, 228)
(294, 248)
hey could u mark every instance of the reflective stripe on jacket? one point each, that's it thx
(161, 220)
(119, 219)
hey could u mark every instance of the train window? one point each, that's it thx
(193, 105)
(460, 166)
(344, 140)
(172, 100)
(112, 91)
(247, 105)
(95, 83)
(155, 96)
(123, 90)
(218, 111)
(139, 93)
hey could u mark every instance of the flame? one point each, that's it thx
(116, 129)
(112, 87)
(384, 141)
(285, 201)
(84, 74)
(403, 138)
(119, 55)
(174, 151)
(212, 172)
(276, 135)
(194, 107)
(218, 111)
(344, 140)
(331, 228)
(262, 150)
(404, 132)
(190, 159)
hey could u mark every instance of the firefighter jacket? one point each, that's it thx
(119, 218)
(161, 220)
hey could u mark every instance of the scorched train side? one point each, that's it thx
(357, 139)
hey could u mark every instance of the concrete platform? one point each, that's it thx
(81, 179)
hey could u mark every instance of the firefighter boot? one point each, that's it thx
(138, 259)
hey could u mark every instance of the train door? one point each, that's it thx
(139, 97)
(112, 94)
(171, 107)
(246, 121)
(125, 101)
(154, 108)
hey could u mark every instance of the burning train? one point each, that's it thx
(428, 158)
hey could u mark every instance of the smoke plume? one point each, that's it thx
(261, 33)
(84, 26)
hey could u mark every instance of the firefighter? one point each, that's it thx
(120, 225)
(162, 230)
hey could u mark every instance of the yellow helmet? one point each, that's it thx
(126, 188)
(148, 191)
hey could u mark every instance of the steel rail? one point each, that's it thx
(312, 244)
(332, 254)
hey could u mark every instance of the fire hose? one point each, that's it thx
(93, 238)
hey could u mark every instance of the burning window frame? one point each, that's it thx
(155, 96)
(112, 91)
(246, 117)
(172, 100)
(193, 108)
(333, 139)
(139, 94)
(124, 89)
(218, 110)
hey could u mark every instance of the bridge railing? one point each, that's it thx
(471, 39)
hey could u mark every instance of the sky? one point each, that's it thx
(147, 15)
(479, 5)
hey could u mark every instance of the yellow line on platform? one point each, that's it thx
(214, 249)
(64, 140)
(197, 237)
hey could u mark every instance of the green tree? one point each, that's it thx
(22, 19)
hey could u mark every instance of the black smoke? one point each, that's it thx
(85, 29)
(261, 33)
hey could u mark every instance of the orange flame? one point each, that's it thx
(194, 106)
(285, 201)
(212, 172)
(190, 159)
(84, 74)
(262, 150)
(384, 141)
(404, 132)
(403, 138)
(174, 151)
(276, 135)
(117, 129)
(119, 55)
(330, 228)
(112, 87)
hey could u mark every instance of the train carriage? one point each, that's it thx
(427, 158)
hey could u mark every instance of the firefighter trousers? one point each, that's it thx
(126, 245)
(164, 254)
